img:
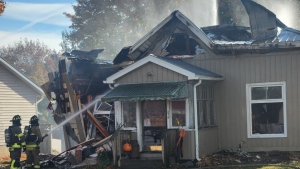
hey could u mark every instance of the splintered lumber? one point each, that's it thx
(98, 125)
(74, 106)
(88, 142)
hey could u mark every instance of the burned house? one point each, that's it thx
(222, 84)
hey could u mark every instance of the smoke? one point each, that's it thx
(201, 13)
(287, 11)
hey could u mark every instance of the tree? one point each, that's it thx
(114, 24)
(32, 58)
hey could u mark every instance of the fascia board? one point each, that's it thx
(21, 76)
(209, 78)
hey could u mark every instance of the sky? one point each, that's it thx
(41, 20)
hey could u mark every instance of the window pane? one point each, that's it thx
(178, 113)
(267, 118)
(259, 93)
(274, 92)
(205, 111)
(154, 113)
(129, 114)
(212, 112)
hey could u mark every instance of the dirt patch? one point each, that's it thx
(5, 160)
(226, 158)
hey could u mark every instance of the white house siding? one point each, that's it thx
(16, 97)
(231, 96)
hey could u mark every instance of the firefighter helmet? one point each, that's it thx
(34, 120)
(16, 118)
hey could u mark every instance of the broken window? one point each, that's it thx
(181, 44)
(178, 113)
(266, 110)
(206, 106)
(129, 114)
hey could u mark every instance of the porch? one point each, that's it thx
(169, 154)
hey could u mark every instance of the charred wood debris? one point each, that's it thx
(78, 82)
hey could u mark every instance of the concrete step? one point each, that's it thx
(141, 163)
(151, 155)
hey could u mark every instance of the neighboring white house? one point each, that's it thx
(18, 95)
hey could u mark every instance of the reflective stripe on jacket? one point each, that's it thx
(17, 136)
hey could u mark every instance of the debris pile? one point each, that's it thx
(227, 158)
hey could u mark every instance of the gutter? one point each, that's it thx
(196, 121)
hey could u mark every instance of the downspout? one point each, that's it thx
(196, 120)
(110, 86)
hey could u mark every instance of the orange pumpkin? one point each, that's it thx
(127, 147)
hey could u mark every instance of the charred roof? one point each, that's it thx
(177, 35)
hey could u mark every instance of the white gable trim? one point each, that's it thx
(21, 76)
(155, 60)
(197, 31)
(182, 18)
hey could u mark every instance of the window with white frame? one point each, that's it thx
(206, 106)
(266, 104)
(129, 114)
(178, 109)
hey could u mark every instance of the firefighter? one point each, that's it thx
(32, 143)
(17, 141)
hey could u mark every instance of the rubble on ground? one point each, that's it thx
(226, 158)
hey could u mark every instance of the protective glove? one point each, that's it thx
(24, 149)
(37, 142)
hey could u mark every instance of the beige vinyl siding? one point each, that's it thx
(189, 145)
(208, 142)
(231, 96)
(16, 97)
(159, 74)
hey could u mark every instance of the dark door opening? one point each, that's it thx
(154, 115)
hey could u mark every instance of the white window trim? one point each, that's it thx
(186, 115)
(249, 114)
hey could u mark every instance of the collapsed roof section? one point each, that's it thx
(78, 81)
(177, 35)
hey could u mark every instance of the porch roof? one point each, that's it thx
(147, 91)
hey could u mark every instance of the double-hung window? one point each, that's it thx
(266, 110)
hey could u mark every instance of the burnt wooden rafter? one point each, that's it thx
(98, 125)
(74, 106)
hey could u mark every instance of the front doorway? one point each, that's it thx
(154, 115)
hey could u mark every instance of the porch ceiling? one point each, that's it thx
(147, 91)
